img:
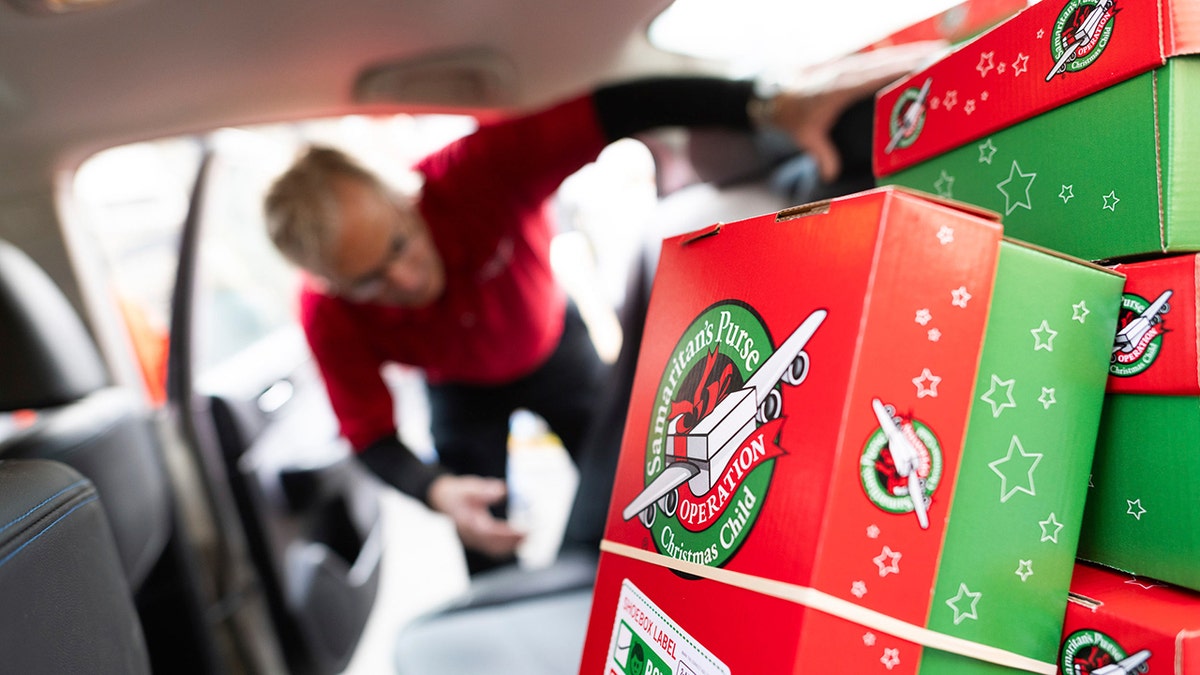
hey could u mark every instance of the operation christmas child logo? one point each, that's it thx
(908, 117)
(712, 446)
(1139, 335)
(1090, 652)
(1082, 31)
(901, 464)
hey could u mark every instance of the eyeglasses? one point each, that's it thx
(373, 282)
(361, 291)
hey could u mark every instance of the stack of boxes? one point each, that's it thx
(1077, 120)
(1143, 512)
(861, 434)
(858, 441)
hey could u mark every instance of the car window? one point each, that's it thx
(133, 201)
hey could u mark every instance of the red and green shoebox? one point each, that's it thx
(1121, 625)
(1142, 512)
(1092, 148)
(858, 439)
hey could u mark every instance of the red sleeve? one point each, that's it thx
(523, 159)
(351, 370)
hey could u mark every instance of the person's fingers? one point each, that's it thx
(450, 493)
(490, 535)
(486, 491)
(498, 548)
(810, 117)
(871, 86)
(501, 532)
(826, 156)
(465, 499)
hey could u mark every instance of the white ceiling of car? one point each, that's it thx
(759, 35)
(71, 84)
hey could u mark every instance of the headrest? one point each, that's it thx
(47, 356)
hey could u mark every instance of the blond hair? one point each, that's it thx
(302, 208)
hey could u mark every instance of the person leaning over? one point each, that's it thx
(456, 281)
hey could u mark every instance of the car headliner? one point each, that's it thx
(73, 84)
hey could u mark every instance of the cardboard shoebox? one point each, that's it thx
(881, 410)
(1074, 119)
(1122, 625)
(1141, 513)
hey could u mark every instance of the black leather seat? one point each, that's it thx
(50, 365)
(66, 605)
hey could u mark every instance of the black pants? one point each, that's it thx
(470, 424)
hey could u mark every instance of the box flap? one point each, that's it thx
(970, 209)
(1063, 256)
(822, 208)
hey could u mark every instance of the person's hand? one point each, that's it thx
(808, 113)
(465, 499)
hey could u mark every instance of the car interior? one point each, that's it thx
(174, 492)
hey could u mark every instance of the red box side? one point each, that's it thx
(1166, 363)
(1136, 614)
(739, 627)
(750, 632)
(931, 380)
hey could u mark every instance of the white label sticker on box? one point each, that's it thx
(645, 641)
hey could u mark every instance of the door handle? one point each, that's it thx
(276, 396)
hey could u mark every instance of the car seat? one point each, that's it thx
(50, 368)
(67, 606)
(55, 386)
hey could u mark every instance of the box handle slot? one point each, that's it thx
(813, 209)
(1084, 601)
(702, 234)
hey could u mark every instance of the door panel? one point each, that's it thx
(308, 514)
(312, 513)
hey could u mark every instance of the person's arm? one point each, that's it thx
(627, 108)
(394, 463)
(807, 112)
(808, 117)
(464, 499)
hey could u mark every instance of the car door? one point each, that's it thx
(253, 406)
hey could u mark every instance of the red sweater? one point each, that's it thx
(501, 315)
